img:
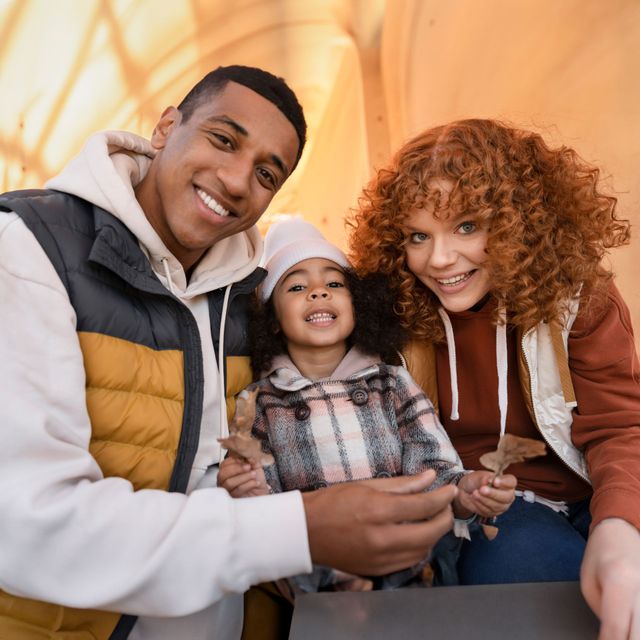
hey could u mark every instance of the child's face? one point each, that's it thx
(447, 254)
(313, 305)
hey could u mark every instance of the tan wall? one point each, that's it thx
(369, 73)
(569, 69)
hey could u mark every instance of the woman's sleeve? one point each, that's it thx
(606, 426)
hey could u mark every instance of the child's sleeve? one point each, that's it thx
(260, 431)
(425, 443)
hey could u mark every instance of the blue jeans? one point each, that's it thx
(534, 544)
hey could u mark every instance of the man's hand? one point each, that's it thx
(610, 578)
(241, 479)
(485, 495)
(378, 526)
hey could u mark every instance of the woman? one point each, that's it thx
(494, 243)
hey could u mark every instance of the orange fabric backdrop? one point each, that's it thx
(369, 73)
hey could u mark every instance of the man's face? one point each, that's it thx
(215, 174)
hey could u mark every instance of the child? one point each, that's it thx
(328, 409)
(493, 243)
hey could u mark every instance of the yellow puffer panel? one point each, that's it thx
(135, 399)
(24, 619)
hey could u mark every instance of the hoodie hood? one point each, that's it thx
(105, 173)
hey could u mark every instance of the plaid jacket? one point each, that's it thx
(368, 420)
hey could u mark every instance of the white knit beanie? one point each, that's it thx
(289, 242)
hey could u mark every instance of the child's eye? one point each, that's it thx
(335, 284)
(296, 287)
(467, 227)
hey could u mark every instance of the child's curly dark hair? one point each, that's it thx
(377, 328)
(549, 224)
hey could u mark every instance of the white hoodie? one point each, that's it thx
(70, 536)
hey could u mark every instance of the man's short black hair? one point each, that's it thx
(271, 87)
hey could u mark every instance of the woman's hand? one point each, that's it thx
(610, 578)
(242, 479)
(482, 493)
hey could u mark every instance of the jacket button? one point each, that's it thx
(359, 397)
(302, 412)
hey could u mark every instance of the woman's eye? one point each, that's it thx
(467, 227)
(417, 237)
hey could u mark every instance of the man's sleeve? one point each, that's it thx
(70, 536)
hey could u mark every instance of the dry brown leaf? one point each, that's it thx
(240, 443)
(490, 531)
(511, 449)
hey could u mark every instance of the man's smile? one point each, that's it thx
(211, 203)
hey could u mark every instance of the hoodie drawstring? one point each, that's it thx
(224, 423)
(167, 274)
(453, 371)
(502, 364)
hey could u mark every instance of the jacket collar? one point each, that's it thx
(284, 375)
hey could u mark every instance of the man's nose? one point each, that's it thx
(236, 176)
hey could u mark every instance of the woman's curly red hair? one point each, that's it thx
(548, 223)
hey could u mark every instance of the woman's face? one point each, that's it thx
(448, 254)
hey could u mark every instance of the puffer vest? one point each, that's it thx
(144, 377)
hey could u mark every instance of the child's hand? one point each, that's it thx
(242, 479)
(477, 495)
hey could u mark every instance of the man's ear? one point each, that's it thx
(169, 119)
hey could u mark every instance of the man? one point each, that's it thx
(124, 292)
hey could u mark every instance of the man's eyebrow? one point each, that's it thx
(281, 165)
(238, 128)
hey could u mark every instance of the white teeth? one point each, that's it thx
(211, 203)
(320, 317)
(456, 279)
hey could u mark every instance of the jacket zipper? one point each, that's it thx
(537, 421)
